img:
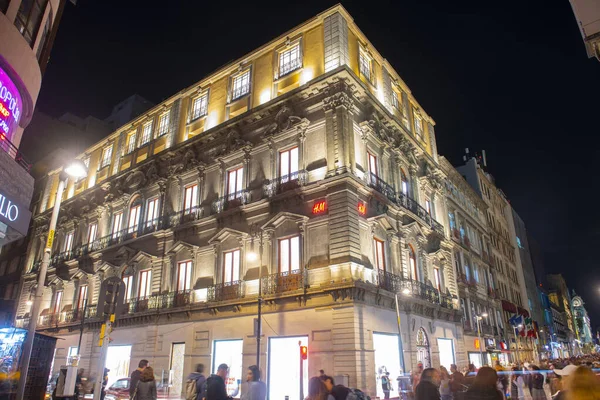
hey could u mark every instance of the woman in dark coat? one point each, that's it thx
(146, 387)
(484, 386)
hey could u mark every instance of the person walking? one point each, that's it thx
(215, 384)
(537, 384)
(415, 376)
(256, 390)
(445, 387)
(517, 385)
(146, 386)
(428, 387)
(386, 385)
(484, 386)
(317, 390)
(456, 380)
(136, 375)
(195, 384)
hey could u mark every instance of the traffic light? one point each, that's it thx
(304, 352)
(110, 298)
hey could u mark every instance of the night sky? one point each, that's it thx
(512, 78)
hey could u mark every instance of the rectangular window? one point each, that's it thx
(372, 164)
(131, 143)
(365, 65)
(288, 164)
(116, 228)
(190, 198)
(146, 133)
(152, 212)
(395, 102)
(437, 279)
(82, 297)
(428, 206)
(69, 241)
(92, 232)
(418, 126)
(231, 266)
(163, 124)
(145, 283)
(134, 218)
(289, 254)
(128, 281)
(240, 85)
(234, 182)
(199, 106)
(289, 60)
(58, 301)
(379, 254)
(184, 275)
(106, 156)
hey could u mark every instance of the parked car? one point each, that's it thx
(119, 390)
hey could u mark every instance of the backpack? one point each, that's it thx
(191, 389)
(356, 394)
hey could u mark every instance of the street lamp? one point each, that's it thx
(75, 169)
(252, 256)
(478, 318)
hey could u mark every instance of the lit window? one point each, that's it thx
(288, 164)
(128, 281)
(428, 206)
(116, 228)
(240, 85)
(372, 164)
(131, 143)
(412, 263)
(418, 126)
(146, 133)
(57, 301)
(365, 65)
(404, 182)
(134, 217)
(29, 18)
(190, 198)
(436, 277)
(184, 276)
(289, 60)
(86, 162)
(395, 102)
(234, 183)
(163, 124)
(289, 254)
(106, 156)
(69, 241)
(199, 107)
(81, 299)
(231, 266)
(379, 254)
(152, 212)
(145, 283)
(92, 232)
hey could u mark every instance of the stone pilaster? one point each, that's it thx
(340, 133)
(335, 32)
(344, 230)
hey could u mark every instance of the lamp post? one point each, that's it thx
(516, 343)
(257, 232)
(478, 318)
(75, 169)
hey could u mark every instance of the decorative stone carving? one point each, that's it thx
(284, 119)
(340, 99)
(134, 181)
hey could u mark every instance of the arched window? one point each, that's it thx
(135, 210)
(403, 182)
(412, 263)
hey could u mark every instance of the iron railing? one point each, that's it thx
(14, 152)
(226, 291)
(240, 91)
(156, 302)
(408, 287)
(282, 282)
(231, 200)
(284, 183)
(382, 186)
(290, 66)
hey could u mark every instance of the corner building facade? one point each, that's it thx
(310, 151)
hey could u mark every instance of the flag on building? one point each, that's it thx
(518, 323)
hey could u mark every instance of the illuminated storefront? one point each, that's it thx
(387, 358)
(11, 106)
(229, 352)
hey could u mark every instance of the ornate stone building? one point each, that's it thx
(310, 151)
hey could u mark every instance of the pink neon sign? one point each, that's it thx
(10, 106)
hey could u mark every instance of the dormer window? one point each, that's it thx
(199, 106)
(106, 156)
(290, 59)
(163, 124)
(146, 133)
(240, 85)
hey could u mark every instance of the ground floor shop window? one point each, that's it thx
(475, 359)
(229, 352)
(284, 368)
(387, 359)
(117, 361)
(176, 368)
(446, 348)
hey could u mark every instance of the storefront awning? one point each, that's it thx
(508, 306)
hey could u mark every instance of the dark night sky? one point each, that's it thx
(509, 77)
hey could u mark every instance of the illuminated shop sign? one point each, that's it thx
(362, 208)
(10, 106)
(13, 214)
(320, 207)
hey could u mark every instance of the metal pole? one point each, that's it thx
(259, 322)
(400, 335)
(81, 328)
(39, 292)
(517, 355)
(480, 341)
(301, 372)
(102, 360)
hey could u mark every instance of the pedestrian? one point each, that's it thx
(517, 385)
(321, 374)
(559, 385)
(415, 376)
(339, 392)
(135, 376)
(470, 375)
(484, 386)
(195, 384)
(428, 387)
(256, 389)
(537, 384)
(146, 386)
(445, 387)
(583, 384)
(215, 384)
(104, 384)
(386, 385)
(317, 390)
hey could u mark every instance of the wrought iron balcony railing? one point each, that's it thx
(382, 186)
(14, 152)
(231, 200)
(226, 291)
(284, 183)
(290, 66)
(240, 91)
(156, 302)
(282, 282)
(408, 287)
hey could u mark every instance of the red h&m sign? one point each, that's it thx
(320, 207)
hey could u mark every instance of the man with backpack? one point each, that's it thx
(341, 392)
(195, 384)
